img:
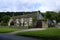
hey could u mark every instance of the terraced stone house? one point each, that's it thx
(35, 20)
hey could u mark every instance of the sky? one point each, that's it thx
(29, 5)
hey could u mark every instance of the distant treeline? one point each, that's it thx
(15, 13)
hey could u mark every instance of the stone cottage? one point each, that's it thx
(35, 20)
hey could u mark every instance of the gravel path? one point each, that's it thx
(34, 29)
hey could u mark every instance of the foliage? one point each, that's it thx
(51, 15)
(4, 20)
(3, 24)
(58, 17)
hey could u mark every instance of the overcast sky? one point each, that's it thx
(29, 5)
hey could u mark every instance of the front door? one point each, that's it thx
(39, 24)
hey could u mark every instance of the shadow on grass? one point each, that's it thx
(43, 38)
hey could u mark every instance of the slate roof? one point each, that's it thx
(28, 16)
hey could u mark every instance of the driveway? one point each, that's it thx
(11, 36)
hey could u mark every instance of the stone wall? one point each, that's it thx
(44, 24)
(21, 22)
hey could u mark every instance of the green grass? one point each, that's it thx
(6, 29)
(48, 33)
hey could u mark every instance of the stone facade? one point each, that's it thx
(27, 20)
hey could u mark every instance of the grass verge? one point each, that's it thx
(48, 33)
(7, 30)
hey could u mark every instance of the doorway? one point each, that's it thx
(39, 24)
(12, 23)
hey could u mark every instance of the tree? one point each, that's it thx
(51, 15)
(47, 15)
(5, 18)
(58, 17)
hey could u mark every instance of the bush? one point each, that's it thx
(3, 24)
(5, 18)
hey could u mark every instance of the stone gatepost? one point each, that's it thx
(22, 20)
(17, 22)
(44, 24)
(10, 22)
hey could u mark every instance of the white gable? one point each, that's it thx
(39, 17)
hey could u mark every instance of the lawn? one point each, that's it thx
(48, 33)
(7, 29)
